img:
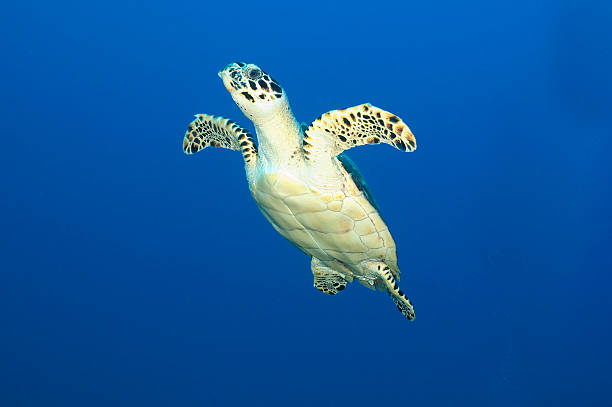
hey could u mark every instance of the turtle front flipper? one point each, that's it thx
(339, 130)
(207, 130)
(388, 281)
(326, 279)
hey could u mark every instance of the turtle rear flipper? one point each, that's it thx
(326, 279)
(399, 298)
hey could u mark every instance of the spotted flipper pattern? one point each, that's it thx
(399, 298)
(216, 131)
(339, 130)
(326, 279)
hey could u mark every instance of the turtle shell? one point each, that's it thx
(342, 226)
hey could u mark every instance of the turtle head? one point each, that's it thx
(257, 94)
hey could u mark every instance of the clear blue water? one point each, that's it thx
(132, 274)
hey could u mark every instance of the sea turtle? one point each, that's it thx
(305, 186)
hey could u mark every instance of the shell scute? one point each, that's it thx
(353, 209)
(304, 203)
(269, 202)
(284, 221)
(335, 206)
(364, 227)
(301, 238)
(289, 186)
(326, 221)
(372, 241)
(341, 242)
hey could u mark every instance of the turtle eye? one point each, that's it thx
(253, 73)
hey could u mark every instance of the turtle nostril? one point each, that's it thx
(228, 66)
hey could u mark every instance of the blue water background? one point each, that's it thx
(133, 275)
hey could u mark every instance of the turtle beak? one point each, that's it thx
(227, 82)
(224, 74)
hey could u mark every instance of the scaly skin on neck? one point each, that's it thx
(279, 138)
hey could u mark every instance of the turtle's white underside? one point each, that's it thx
(337, 226)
